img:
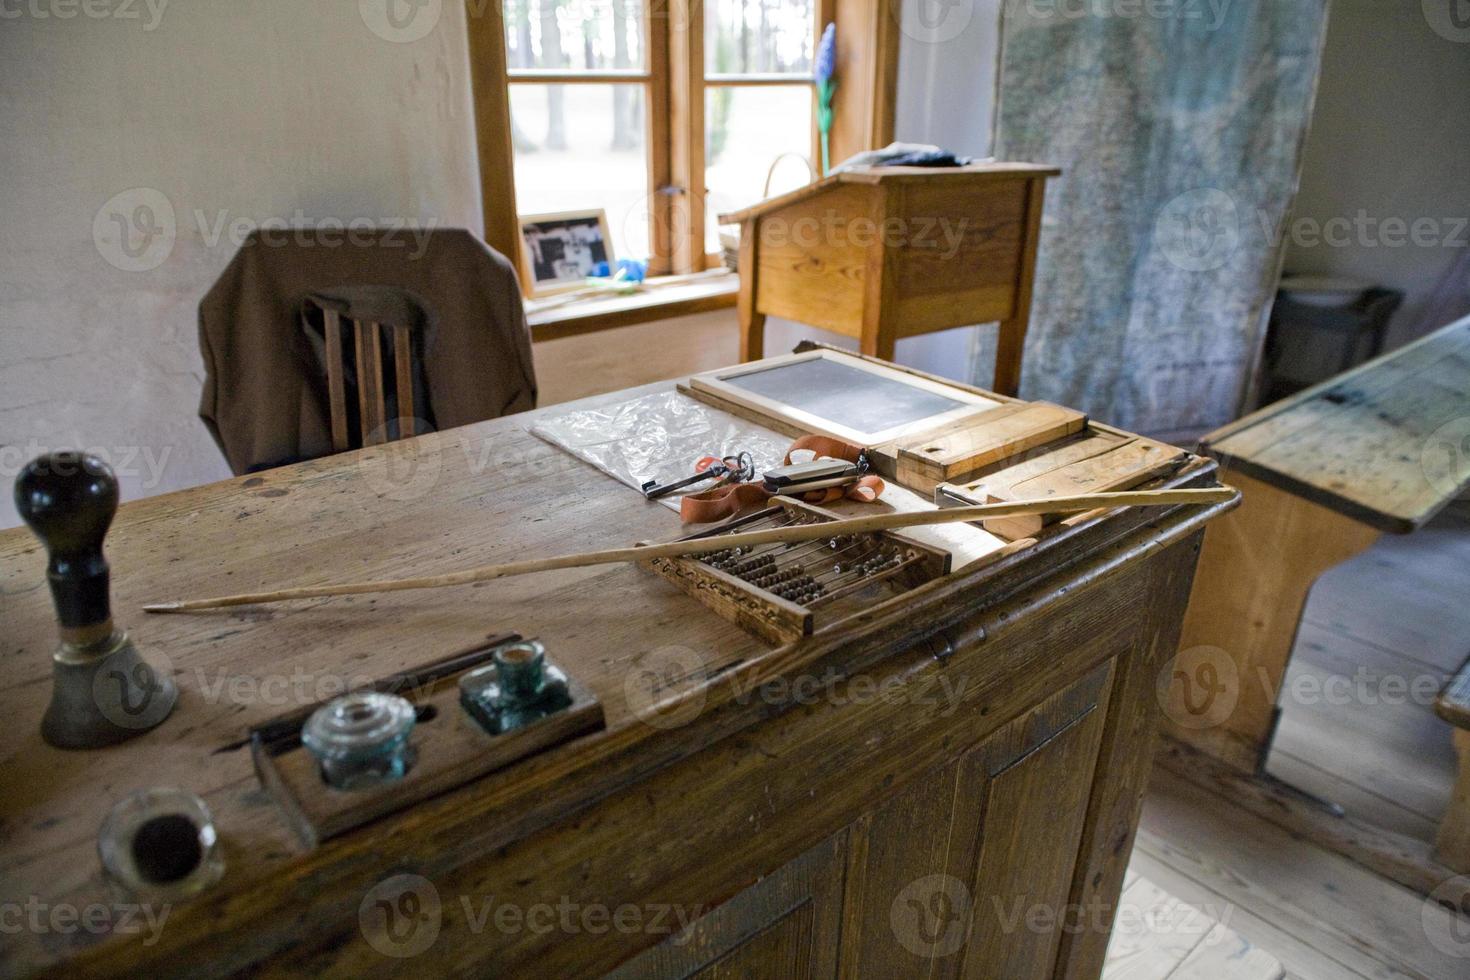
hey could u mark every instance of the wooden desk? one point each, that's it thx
(1003, 763)
(1324, 473)
(894, 252)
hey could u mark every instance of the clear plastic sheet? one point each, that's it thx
(661, 436)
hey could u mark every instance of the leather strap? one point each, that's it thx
(727, 501)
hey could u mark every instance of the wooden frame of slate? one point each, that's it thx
(849, 398)
(918, 430)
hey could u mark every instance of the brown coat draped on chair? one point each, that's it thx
(264, 396)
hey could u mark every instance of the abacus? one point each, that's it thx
(778, 591)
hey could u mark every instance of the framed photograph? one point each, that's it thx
(559, 251)
(846, 397)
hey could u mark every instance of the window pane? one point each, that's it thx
(574, 34)
(758, 36)
(747, 128)
(579, 147)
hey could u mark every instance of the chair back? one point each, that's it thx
(374, 382)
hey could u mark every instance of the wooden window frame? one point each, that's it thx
(674, 84)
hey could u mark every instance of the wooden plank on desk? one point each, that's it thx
(970, 445)
(1096, 464)
(1369, 443)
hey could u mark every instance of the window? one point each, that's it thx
(665, 113)
(759, 102)
(579, 87)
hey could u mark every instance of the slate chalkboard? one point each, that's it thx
(845, 395)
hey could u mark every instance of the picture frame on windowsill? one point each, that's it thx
(560, 250)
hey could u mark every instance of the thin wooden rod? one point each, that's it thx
(721, 542)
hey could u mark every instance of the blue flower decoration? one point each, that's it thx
(827, 55)
(826, 85)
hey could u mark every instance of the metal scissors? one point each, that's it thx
(729, 469)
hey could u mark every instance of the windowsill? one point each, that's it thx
(552, 317)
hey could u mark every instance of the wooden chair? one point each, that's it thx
(372, 384)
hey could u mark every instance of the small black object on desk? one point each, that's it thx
(103, 691)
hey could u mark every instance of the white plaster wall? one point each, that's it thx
(234, 112)
(947, 61)
(1391, 137)
(238, 111)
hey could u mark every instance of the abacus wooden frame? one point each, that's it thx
(763, 613)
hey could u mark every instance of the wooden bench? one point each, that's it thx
(1323, 474)
(1452, 844)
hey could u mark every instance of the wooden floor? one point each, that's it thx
(1398, 611)
(1158, 936)
(1380, 636)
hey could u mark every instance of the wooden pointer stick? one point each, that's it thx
(677, 549)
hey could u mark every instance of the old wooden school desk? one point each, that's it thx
(1323, 474)
(894, 252)
(814, 836)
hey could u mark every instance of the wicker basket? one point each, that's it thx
(730, 234)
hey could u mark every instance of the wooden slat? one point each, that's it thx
(403, 370)
(1130, 464)
(660, 161)
(686, 108)
(369, 383)
(1011, 343)
(867, 64)
(336, 390)
(1097, 461)
(485, 38)
(987, 439)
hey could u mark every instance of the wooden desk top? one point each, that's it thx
(1385, 444)
(988, 170)
(484, 493)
